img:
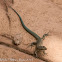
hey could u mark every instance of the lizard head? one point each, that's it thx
(42, 48)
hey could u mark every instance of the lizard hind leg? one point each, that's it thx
(43, 37)
(32, 44)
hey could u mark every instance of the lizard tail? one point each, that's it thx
(28, 30)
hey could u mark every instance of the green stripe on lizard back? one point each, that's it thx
(28, 30)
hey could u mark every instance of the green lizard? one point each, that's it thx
(38, 47)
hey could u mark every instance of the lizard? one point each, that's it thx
(38, 38)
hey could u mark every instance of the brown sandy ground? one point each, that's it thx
(41, 16)
(58, 3)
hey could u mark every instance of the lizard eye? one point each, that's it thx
(42, 48)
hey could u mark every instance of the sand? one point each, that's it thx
(40, 16)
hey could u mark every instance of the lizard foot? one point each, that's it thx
(43, 48)
(43, 37)
(36, 53)
(32, 44)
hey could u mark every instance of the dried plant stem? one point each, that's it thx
(8, 19)
(6, 7)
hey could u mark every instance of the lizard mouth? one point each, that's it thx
(42, 48)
